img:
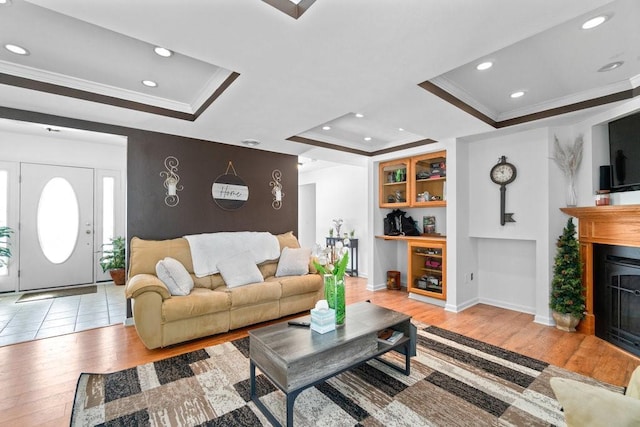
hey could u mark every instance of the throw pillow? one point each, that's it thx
(288, 240)
(175, 276)
(293, 262)
(239, 270)
(587, 405)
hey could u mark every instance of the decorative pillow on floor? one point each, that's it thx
(293, 262)
(239, 270)
(175, 276)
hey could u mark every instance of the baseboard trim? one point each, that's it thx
(544, 320)
(378, 287)
(461, 307)
(508, 306)
(427, 300)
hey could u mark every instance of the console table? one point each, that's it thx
(353, 254)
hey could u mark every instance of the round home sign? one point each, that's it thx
(229, 190)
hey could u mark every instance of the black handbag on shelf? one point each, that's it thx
(397, 223)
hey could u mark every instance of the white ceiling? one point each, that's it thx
(339, 58)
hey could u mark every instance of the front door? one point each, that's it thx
(56, 226)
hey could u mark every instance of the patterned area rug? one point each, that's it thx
(454, 381)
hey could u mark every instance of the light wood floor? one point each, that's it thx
(38, 378)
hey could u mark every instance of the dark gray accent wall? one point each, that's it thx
(201, 162)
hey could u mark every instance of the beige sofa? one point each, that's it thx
(211, 307)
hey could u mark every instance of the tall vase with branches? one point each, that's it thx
(568, 160)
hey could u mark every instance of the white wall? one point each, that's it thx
(507, 280)
(514, 255)
(341, 192)
(307, 215)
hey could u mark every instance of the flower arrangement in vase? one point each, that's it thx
(333, 269)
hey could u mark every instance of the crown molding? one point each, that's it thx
(288, 7)
(116, 99)
(620, 91)
(56, 79)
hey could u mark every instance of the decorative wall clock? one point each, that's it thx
(503, 173)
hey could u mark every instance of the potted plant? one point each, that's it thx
(567, 293)
(5, 252)
(113, 259)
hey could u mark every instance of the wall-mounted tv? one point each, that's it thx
(624, 153)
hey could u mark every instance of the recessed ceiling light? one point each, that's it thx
(367, 138)
(251, 142)
(594, 22)
(18, 50)
(401, 129)
(484, 66)
(359, 115)
(517, 94)
(149, 83)
(326, 127)
(610, 66)
(5, 1)
(161, 51)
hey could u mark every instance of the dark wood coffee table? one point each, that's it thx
(296, 358)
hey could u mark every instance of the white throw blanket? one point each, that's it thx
(207, 250)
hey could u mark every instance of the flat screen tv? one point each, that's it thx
(624, 153)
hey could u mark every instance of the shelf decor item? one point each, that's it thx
(568, 160)
(567, 292)
(337, 223)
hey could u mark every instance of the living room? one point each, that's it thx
(506, 267)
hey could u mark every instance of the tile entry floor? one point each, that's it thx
(26, 321)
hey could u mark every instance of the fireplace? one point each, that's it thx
(617, 295)
(603, 226)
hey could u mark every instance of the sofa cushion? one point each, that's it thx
(287, 240)
(268, 269)
(295, 285)
(175, 276)
(293, 262)
(146, 253)
(239, 270)
(197, 303)
(255, 293)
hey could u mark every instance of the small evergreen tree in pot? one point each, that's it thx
(567, 292)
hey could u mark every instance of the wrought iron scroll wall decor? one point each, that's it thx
(171, 181)
(276, 189)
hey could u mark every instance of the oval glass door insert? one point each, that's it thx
(58, 220)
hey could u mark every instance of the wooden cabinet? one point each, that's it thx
(427, 268)
(418, 181)
(394, 183)
(429, 179)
